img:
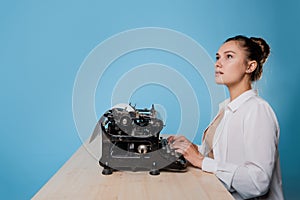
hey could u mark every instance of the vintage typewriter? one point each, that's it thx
(131, 141)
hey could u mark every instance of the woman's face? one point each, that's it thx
(230, 66)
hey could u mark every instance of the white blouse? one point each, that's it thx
(245, 148)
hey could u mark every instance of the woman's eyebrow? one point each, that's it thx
(229, 51)
(225, 52)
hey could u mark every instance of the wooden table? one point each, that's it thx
(81, 178)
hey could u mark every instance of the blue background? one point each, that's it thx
(43, 43)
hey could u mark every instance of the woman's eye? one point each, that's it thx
(217, 57)
(229, 56)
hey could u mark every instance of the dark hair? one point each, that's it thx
(257, 49)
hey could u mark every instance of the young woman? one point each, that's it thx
(240, 146)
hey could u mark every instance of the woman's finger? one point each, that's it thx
(179, 138)
(180, 151)
(180, 145)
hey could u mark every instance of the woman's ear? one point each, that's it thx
(252, 65)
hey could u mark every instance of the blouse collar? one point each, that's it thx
(237, 102)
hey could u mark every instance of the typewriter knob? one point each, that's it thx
(142, 149)
(125, 121)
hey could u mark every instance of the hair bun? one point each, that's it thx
(265, 48)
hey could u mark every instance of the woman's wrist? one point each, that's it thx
(201, 161)
(198, 161)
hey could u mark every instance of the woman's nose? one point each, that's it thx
(218, 64)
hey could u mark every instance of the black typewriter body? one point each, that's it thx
(131, 141)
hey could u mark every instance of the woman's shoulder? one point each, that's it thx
(258, 101)
(258, 104)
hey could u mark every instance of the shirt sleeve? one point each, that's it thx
(253, 177)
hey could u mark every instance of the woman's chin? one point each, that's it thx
(219, 81)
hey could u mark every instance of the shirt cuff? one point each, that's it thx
(209, 165)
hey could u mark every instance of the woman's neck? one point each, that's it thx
(237, 90)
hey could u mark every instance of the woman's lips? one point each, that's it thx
(218, 73)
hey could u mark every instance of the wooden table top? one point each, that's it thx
(80, 178)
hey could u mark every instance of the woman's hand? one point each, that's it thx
(187, 149)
